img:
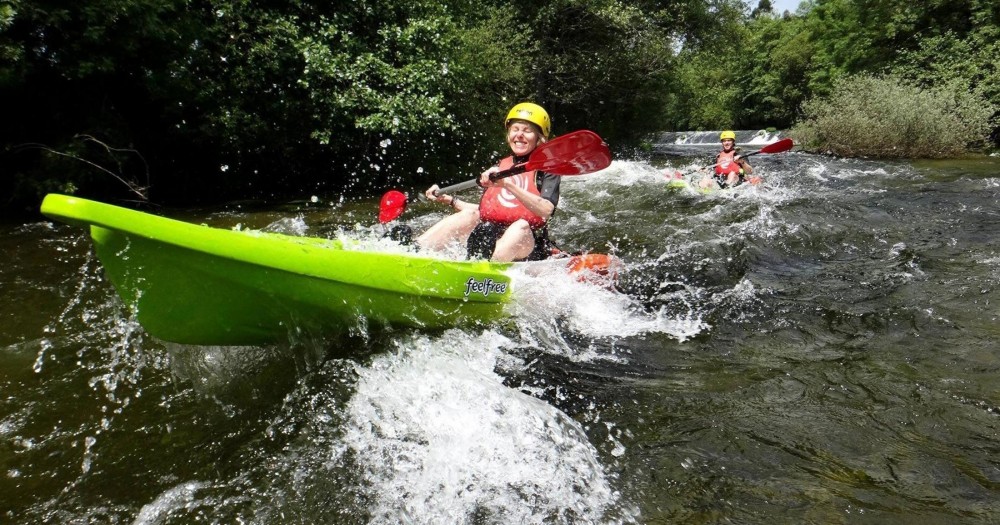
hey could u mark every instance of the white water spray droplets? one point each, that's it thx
(44, 346)
(544, 291)
(613, 434)
(88, 456)
(86, 275)
(181, 496)
(295, 226)
(441, 439)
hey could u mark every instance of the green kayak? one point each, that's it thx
(681, 184)
(194, 284)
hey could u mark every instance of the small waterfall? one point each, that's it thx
(682, 142)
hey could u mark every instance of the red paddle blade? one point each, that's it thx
(393, 204)
(778, 147)
(576, 153)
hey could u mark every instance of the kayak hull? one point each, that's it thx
(195, 284)
(681, 184)
(186, 296)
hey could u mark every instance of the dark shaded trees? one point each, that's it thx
(206, 100)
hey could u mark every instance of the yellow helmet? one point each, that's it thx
(532, 113)
(727, 135)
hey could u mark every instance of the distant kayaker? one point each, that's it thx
(509, 223)
(730, 168)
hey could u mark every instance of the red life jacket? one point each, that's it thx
(501, 206)
(724, 164)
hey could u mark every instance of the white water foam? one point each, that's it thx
(177, 498)
(620, 172)
(589, 309)
(288, 226)
(761, 136)
(441, 440)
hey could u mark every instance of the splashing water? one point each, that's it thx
(442, 440)
(546, 297)
(179, 497)
(839, 365)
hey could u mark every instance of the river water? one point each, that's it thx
(819, 348)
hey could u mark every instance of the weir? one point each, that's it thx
(673, 143)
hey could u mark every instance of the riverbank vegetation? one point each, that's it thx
(770, 69)
(213, 100)
(888, 117)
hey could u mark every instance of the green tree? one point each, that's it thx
(940, 45)
(763, 8)
(962, 52)
(707, 87)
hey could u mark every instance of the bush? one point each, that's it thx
(886, 117)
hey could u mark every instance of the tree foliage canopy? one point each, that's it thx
(235, 98)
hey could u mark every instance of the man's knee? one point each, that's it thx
(520, 228)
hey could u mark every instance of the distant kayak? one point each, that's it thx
(684, 184)
(197, 284)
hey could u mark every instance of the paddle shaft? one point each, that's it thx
(509, 172)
